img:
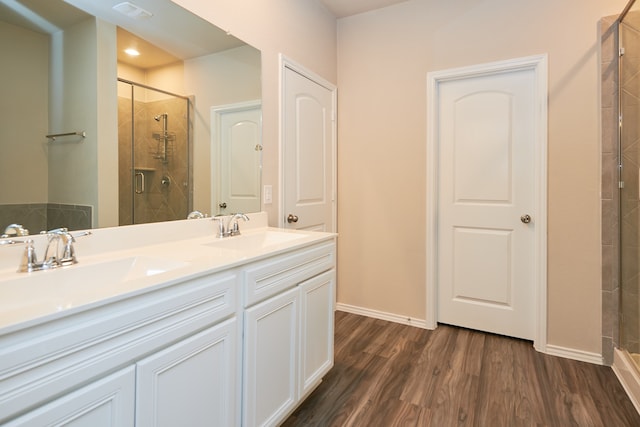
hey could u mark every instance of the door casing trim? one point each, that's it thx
(537, 63)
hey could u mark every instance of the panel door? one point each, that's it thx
(240, 147)
(308, 154)
(108, 402)
(192, 383)
(270, 364)
(316, 329)
(486, 214)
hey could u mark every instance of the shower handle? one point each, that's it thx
(139, 189)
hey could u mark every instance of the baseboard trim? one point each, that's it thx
(628, 376)
(571, 353)
(395, 318)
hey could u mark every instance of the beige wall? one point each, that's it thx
(302, 30)
(24, 110)
(383, 59)
(83, 98)
(224, 78)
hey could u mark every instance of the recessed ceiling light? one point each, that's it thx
(132, 11)
(132, 52)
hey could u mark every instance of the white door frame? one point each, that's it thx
(292, 65)
(538, 64)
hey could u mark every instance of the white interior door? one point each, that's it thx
(486, 205)
(308, 152)
(237, 152)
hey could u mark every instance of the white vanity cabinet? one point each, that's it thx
(192, 383)
(288, 331)
(164, 346)
(108, 402)
(240, 343)
(317, 296)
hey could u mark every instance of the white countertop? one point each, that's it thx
(122, 262)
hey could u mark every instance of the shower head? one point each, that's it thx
(160, 116)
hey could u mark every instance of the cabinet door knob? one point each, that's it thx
(292, 218)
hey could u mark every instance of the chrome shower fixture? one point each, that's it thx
(163, 140)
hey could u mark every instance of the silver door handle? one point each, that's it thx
(525, 219)
(292, 218)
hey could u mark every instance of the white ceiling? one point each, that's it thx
(342, 8)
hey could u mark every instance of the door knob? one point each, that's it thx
(525, 219)
(223, 205)
(292, 218)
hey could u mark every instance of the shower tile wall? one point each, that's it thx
(159, 202)
(610, 285)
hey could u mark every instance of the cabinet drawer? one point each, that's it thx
(273, 275)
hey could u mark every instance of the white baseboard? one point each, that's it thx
(628, 376)
(553, 350)
(395, 318)
(572, 353)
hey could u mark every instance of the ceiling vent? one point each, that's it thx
(132, 11)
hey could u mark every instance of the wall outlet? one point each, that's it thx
(267, 195)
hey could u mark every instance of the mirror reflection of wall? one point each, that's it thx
(72, 182)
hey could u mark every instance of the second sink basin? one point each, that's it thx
(257, 240)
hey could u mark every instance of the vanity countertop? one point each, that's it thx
(111, 267)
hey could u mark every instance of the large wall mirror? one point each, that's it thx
(92, 137)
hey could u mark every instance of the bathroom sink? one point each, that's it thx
(46, 291)
(262, 239)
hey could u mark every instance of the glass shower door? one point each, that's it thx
(629, 33)
(153, 155)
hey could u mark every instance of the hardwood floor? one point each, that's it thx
(387, 374)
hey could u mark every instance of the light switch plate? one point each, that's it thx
(267, 194)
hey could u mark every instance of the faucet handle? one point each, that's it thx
(221, 229)
(68, 251)
(29, 260)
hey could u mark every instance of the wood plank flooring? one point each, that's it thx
(387, 374)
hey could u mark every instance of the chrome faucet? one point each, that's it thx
(59, 252)
(232, 228)
(54, 255)
(196, 215)
(14, 230)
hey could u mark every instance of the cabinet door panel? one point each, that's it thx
(316, 330)
(270, 359)
(192, 383)
(108, 402)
